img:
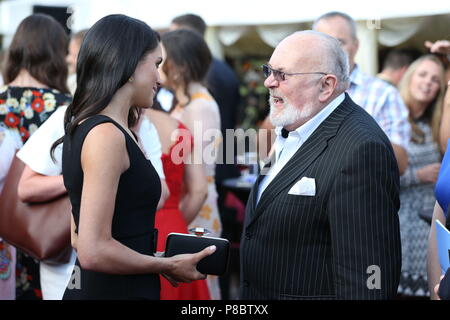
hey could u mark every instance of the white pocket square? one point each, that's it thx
(304, 187)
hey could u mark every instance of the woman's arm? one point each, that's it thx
(73, 234)
(196, 191)
(35, 187)
(423, 175)
(401, 155)
(151, 145)
(199, 119)
(104, 158)
(165, 193)
(444, 133)
(434, 269)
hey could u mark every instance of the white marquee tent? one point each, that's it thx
(382, 22)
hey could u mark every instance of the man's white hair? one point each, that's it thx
(336, 59)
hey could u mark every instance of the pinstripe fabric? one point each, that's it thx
(297, 247)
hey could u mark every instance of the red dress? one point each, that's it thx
(170, 219)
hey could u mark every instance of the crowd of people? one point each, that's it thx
(130, 124)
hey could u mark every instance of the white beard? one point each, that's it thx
(290, 114)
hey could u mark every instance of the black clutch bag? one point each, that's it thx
(215, 264)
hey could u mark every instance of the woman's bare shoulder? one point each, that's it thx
(105, 145)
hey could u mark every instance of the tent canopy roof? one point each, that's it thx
(219, 13)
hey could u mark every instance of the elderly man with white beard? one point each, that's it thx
(322, 223)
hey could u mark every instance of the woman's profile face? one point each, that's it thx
(169, 72)
(162, 74)
(146, 79)
(71, 58)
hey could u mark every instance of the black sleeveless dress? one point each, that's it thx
(137, 197)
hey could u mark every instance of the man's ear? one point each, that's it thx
(327, 87)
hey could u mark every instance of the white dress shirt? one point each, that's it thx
(285, 148)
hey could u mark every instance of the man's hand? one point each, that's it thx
(440, 46)
(436, 289)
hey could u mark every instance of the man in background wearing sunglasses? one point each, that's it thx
(321, 220)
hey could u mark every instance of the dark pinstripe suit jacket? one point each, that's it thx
(323, 247)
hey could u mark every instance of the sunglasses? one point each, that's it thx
(281, 75)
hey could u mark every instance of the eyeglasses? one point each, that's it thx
(281, 75)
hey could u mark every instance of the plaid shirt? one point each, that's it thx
(384, 103)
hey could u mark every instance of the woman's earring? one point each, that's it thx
(131, 79)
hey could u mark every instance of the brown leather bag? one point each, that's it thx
(40, 229)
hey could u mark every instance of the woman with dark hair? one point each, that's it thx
(35, 74)
(186, 65)
(113, 188)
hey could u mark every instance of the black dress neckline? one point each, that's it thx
(122, 129)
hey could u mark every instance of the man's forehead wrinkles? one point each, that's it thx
(279, 68)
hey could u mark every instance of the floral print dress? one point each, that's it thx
(22, 111)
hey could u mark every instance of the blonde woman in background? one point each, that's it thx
(422, 89)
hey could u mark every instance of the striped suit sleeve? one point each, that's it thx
(363, 217)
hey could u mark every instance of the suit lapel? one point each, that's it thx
(254, 195)
(250, 208)
(300, 161)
